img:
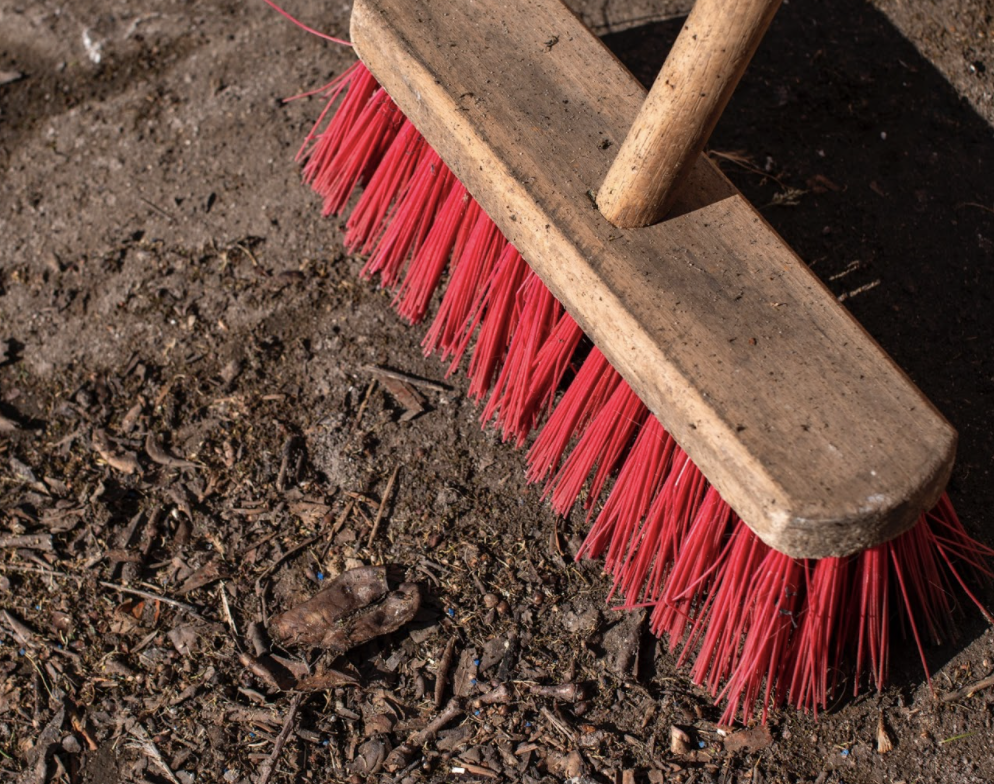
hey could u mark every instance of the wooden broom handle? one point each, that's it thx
(701, 71)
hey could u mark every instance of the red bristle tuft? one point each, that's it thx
(723, 620)
(497, 302)
(349, 125)
(644, 469)
(551, 365)
(359, 153)
(368, 220)
(588, 393)
(425, 271)
(519, 390)
(694, 563)
(815, 655)
(664, 531)
(774, 599)
(599, 449)
(472, 265)
(411, 220)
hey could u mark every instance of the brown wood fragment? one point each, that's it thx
(442, 671)
(357, 606)
(27, 541)
(401, 756)
(159, 455)
(885, 743)
(269, 766)
(750, 740)
(125, 462)
(383, 506)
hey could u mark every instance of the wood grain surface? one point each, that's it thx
(791, 410)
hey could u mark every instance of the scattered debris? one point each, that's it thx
(968, 691)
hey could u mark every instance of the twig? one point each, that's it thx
(148, 746)
(227, 610)
(444, 665)
(31, 570)
(365, 401)
(157, 208)
(401, 755)
(383, 507)
(290, 554)
(558, 724)
(969, 691)
(28, 541)
(266, 772)
(416, 381)
(155, 597)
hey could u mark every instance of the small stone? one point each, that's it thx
(490, 600)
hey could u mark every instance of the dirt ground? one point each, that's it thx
(192, 440)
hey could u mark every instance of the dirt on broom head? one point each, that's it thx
(196, 435)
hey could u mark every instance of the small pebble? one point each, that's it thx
(490, 600)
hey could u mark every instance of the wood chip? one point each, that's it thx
(885, 743)
(28, 542)
(159, 455)
(750, 740)
(125, 462)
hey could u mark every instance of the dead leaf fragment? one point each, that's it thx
(357, 606)
(159, 455)
(125, 462)
(750, 740)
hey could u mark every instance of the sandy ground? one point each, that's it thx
(167, 284)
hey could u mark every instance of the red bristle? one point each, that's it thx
(774, 605)
(411, 219)
(472, 265)
(615, 527)
(359, 88)
(722, 622)
(598, 450)
(497, 302)
(762, 626)
(550, 366)
(340, 121)
(812, 654)
(368, 220)
(425, 270)
(695, 561)
(512, 399)
(590, 390)
(873, 627)
(359, 153)
(909, 610)
(665, 530)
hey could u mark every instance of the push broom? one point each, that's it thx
(765, 478)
